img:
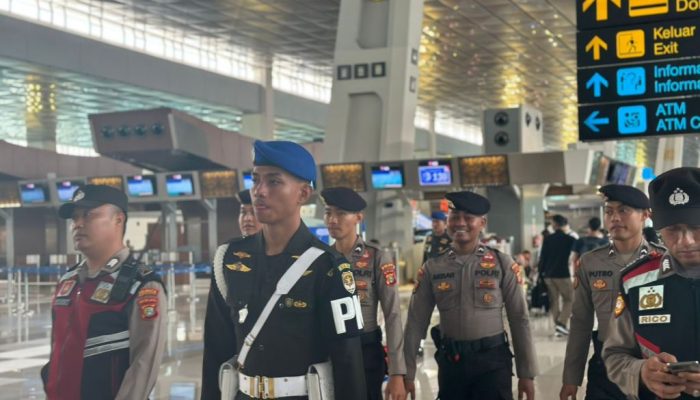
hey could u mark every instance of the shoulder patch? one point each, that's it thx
(619, 305)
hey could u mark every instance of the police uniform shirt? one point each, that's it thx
(596, 284)
(147, 323)
(376, 281)
(470, 292)
(436, 245)
(314, 320)
(654, 313)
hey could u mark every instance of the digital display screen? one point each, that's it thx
(65, 190)
(33, 193)
(218, 184)
(247, 180)
(348, 175)
(116, 182)
(484, 171)
(387, 177)
(619, 173)
(435, 173)
(141, 185)
(179, 185)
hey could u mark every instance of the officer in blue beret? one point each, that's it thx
(438, 241)
(471, 284)
(377, 283)
(247, 221)
(281, 301)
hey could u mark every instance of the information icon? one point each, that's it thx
(631, 81)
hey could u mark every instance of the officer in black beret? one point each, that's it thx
(108, 332)
(377, 283)
(470, 284)
(310, 321)
(246, 216)
(596, 279)
(657, 312)
(438, 241)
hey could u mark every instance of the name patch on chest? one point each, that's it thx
(600, 274)
(655, 319)
(444, 275)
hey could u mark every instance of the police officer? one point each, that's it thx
(438, 241)
(657, 311)
(470, 284)
(595, 288)
(108, 328)
(376, 281)
(318, 319)
(246, 217)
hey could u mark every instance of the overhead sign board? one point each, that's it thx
(640, 81)
(656, 41)
(639, 119)
(593, 14)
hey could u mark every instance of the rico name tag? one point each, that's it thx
(655, 319)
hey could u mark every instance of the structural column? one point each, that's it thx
(373, 101)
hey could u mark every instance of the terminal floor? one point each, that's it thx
(24, 348)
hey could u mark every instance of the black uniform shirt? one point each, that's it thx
(319, 318)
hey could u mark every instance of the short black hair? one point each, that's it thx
(560, 220)
(594, 223)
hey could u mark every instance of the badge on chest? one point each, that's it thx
(102, 292)
(651, 297)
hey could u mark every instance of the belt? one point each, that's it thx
(263, 387)
(475, 346)
(371, 337)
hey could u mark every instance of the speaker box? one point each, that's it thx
(512, 130)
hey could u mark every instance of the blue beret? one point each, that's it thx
(438, 215)
(344, 198)
(628, 195)
(469, 202)
(244, 197)
(286, 155)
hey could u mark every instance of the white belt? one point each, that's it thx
(262, 387)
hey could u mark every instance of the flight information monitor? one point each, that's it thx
(179, 185)
(141, 185)
(484, 171)
(435, 173)
(218, 184)
(33, 193)
(350, 175)
(387, 176)
(65, 189)
(247, 180)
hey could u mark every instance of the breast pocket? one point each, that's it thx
(446, 295)
(603, 300)
(487, 295)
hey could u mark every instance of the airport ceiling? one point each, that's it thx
(474, 54)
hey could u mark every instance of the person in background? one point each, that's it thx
(650, 235)
(554, 267)
(593, 239)
(246, 217)
(438, 241)
(376, 280)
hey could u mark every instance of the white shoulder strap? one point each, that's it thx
(285, 284)
(219, 271)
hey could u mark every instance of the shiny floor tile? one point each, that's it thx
(24, 348)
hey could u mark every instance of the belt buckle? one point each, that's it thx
(264, 387)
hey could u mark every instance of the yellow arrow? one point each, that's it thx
(596, 44)
(601, 7)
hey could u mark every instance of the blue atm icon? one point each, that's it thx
(631, 81)
(632, 120)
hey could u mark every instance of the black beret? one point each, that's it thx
(438, 215)
(628, 195)
(469, 202)
(92, 196)
(343, 198)
(244, 197)
(675, 197)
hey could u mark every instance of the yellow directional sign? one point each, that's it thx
(630, 44)
(595, 45)
(643, 8)
(601, 7)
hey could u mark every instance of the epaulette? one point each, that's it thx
(646, 263)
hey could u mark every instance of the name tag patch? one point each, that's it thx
(655, 319)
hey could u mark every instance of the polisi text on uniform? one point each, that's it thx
(487, 272)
